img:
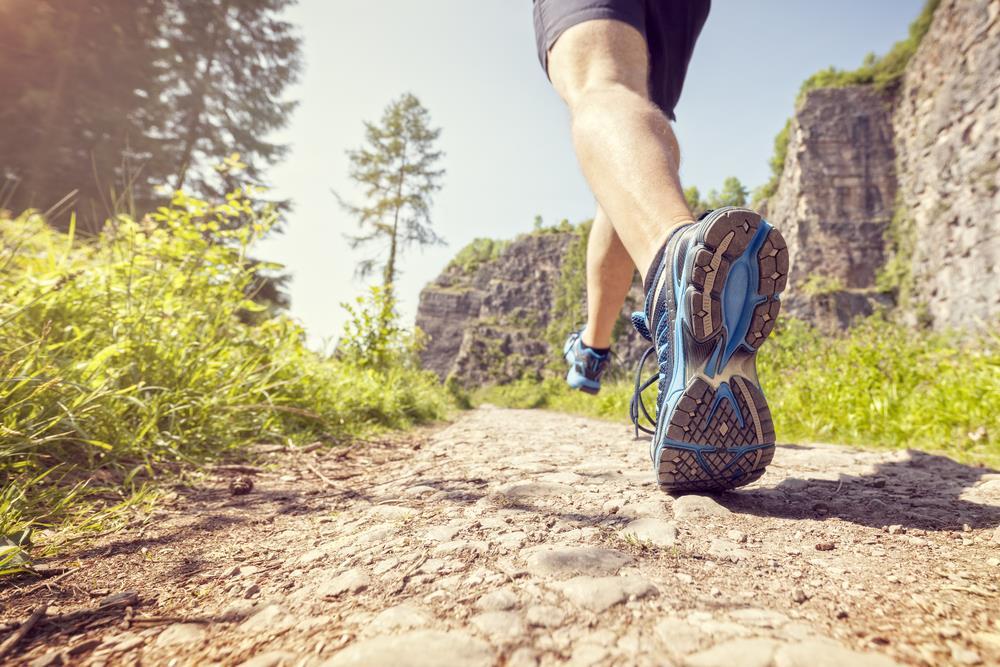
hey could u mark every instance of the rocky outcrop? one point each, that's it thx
(947, 127)
(487, 324)
(934, 140)
(836, 193)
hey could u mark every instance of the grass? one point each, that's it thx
(140, 352)
(881, 385)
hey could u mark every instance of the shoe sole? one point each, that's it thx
(719, 434)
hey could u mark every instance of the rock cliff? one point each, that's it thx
(486, 322)
(910, 175)
(947, 131)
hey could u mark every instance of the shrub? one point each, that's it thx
(143, 347)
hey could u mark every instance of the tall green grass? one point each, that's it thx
(882, 385)
(144, 348)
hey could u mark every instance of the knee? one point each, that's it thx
(598, 106)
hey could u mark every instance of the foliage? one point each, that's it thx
(880, 385)
(817, 284)
(569, 305)
(777, 165)
(127, 354)
(478, 252)
(112, 98)
(733, 194)
(882, 72)
(397, 170)
(896, 275)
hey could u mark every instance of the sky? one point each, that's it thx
(505, 133)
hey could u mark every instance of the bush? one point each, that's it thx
(143, 346)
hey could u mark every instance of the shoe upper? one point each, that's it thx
(586, 365)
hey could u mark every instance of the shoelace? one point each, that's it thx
(637, 408)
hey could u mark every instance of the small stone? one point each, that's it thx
(965, 656)
(567, 561)
(352, 581)
(522, 657)
(896, 529)
(742, 652)
(825, 546)
(501, 625)
(418, 648)
(726, 550)
(684, 578)
(498, 600)
(442, 533)
(251, 591)
(419, 490)
(737, 536)
(656, 531)
(545, 616)
(536, 490)
(401, 617)
(996, 535)
(271, 617)
(826, 653)
(181, 633)
(241, 485)
(695, 506)
(799, 596)
(678, 636)
(761, 618)
(459, 546)
(600, 593)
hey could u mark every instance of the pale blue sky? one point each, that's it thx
(505, 133)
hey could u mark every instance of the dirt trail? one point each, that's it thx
(527, 537)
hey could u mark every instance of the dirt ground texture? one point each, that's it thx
(531, 538)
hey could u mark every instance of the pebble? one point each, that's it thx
(568, 561)
(498, 600)
(442, 533)
(762, 618)
(742, 652)
(737, 536)
(825, 546)
(656, 531)
(352, 581)
(545, 616)
(401, 617)
(726, 550)
(826, 653)
(599, 593)
(268, 618)
(695, 506)
(181, 633)
(417, 648)
(536, 490)
(502, 625)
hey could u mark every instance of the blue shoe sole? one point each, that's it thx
(716, 431)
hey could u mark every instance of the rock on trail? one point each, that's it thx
(526, 538)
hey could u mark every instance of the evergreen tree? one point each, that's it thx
(228, 63)
(109, 98)
(397, 170)
(76, 78)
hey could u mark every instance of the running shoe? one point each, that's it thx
(585, 364)
(710, 303)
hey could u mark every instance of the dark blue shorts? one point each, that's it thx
(671, 28)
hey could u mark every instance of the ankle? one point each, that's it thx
(600, 345)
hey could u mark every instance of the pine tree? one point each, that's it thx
(229, 64)
(397, 169)
(75, 78)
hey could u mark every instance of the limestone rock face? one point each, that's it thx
(836, 193)
(947, 123)
(487, 325)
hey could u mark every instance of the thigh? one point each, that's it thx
(672, 28)
(597, 53)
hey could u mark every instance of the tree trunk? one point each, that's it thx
(201, 90)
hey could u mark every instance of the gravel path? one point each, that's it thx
(525, 538)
